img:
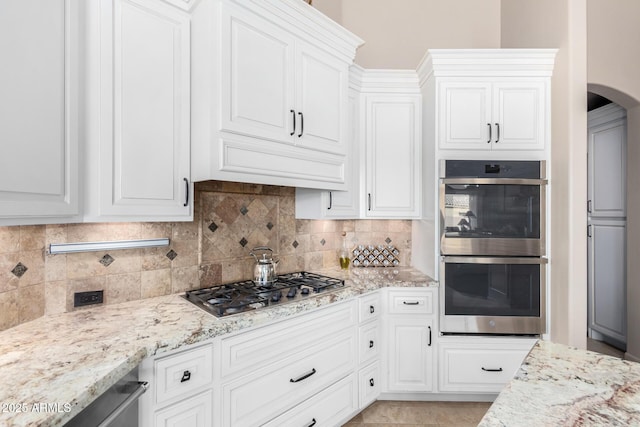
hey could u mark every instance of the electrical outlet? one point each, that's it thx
(87, 298)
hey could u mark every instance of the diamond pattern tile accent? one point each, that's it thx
(323, 242)
(243, 242)
(295, 244)
(269, 225)
(172, 254)
(19, 269)
(107, 260)
(388, 240)
(213, 227)
(244, 210)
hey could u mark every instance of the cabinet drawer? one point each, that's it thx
(369, 307)
(369, 384)
(263, 394)
(480, 367)
(330, 407)
(180, 374)
(411, 301)
(193, 412)
(259, 347)
(369, 342)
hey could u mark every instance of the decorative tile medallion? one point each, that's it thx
(323, 242)
(107, 260)
(269, 225)
(172, 254)
(19, 269)
(244, 210)
(243, 242)
(213, 227)
(295, 244)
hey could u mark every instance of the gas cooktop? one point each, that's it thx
(240, 297)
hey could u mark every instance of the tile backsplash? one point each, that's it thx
(229, 220)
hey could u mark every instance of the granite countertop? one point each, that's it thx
(54, 366)
(559, 385)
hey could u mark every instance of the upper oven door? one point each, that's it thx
(492, 217)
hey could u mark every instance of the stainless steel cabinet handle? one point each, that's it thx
(293, 114)
(429, 345)
(498, 132)
(489, 140)
(303, 377)
(186, 198)
(301, 124)
(330, 200)
(491, 370)
(410, 302)
(142, 387)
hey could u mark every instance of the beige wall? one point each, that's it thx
(614, 72)
(398, 33)
(562, 24)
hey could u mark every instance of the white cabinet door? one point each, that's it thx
(393, 155)
(465, 115)
(607, 278)
(193, 412)
(257, 87)
(492, 114)
(144, 157)
(410, 353)
(38, 111)
(519, 115)
(321, 100)
(608, 170)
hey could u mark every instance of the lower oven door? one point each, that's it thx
(490, 295)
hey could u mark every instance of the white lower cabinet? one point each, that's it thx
(410, 334)
(480, 364)
(369, 384)
(330, 407)
(370, 347)
(180, 390)
(193, 412)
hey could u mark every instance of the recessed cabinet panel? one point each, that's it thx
(467, 113)
(518, 111)
(393, 156)
(322, 101)
(410, 353)
(144, 155)
(607, 166)
(193, 412)
(38, 109)
(257, 77)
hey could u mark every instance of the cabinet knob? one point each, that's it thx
(372, 309)
(186, 376)
(371, 383)
(371, 344)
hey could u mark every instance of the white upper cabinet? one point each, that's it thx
(270, 94)
(488, 100)
(138, 154)
(393, 156)
(385, 154)
(497, 115)
(39, 111)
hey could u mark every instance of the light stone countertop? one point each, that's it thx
(559, 385)
(67, 360)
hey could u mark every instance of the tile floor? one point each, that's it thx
(420, 414)
(442, 414)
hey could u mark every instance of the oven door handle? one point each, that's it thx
(494, 181)
(493, 260)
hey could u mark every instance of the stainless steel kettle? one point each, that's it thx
(264, 272)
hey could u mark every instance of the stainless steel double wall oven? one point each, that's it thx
(493, 226)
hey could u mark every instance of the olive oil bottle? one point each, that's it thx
(345, 259)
